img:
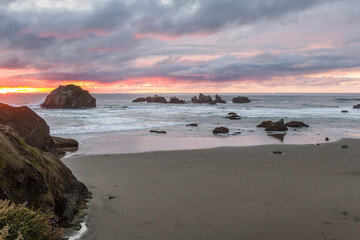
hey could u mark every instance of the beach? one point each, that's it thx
(307, 192)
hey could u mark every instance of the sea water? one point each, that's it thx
(116, 115)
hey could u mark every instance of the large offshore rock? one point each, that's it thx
(241, 100)
(69, 97)
(38, 178)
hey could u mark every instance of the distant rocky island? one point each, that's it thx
(69, 97)
(201, 99)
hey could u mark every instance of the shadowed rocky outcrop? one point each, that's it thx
(356, 106)
(38, 178)
(32, 128)
(69, 97)
(66, 144)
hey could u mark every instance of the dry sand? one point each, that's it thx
(309, 192)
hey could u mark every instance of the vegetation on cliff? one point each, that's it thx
(38, 178)
(18, 222)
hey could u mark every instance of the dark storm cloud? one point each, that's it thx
(186, 17)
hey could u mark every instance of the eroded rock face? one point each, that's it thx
(69, 97)
(218, 99)
(203, 99)
(38, 178)
(241, 100)
(296, 124)
(31, 127)
(221, 130)
(356, 106)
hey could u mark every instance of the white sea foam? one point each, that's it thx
(116, 113)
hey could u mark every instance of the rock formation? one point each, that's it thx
(277, 126)
(264, 124)
(155, 99)
(241, 100)
(157, 131)
(69, 97)
(140, 99)
(221, 130)
(218, 99)
(32, 128)
(203, 99)
(175, 100)
(233, 116)
(356, 106)
(273, 126)
(66, 144)
(38, 178)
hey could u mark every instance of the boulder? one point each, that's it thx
(203, 99)
(218, 99)
(69, 97)
(241, 100)
(296, 124)
(265, 124)
(140, 99)
(192, 125)
(175, 100)
(233, 116)
(277, 126)
(156, 99)
(157, 131)
(31, 127)
(356, 106)
(38, 178)
(344, 111)
(221, 130)
(66, 144)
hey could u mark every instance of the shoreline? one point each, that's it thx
(119, 144)
(223, 192)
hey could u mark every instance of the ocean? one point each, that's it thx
(116, 117)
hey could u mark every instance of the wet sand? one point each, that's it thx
(308, 192)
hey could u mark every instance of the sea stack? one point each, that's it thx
(241, 100)
(69, 97)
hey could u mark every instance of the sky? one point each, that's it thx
(180, 46)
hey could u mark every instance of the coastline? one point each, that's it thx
(119, 144)
(224, 193)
